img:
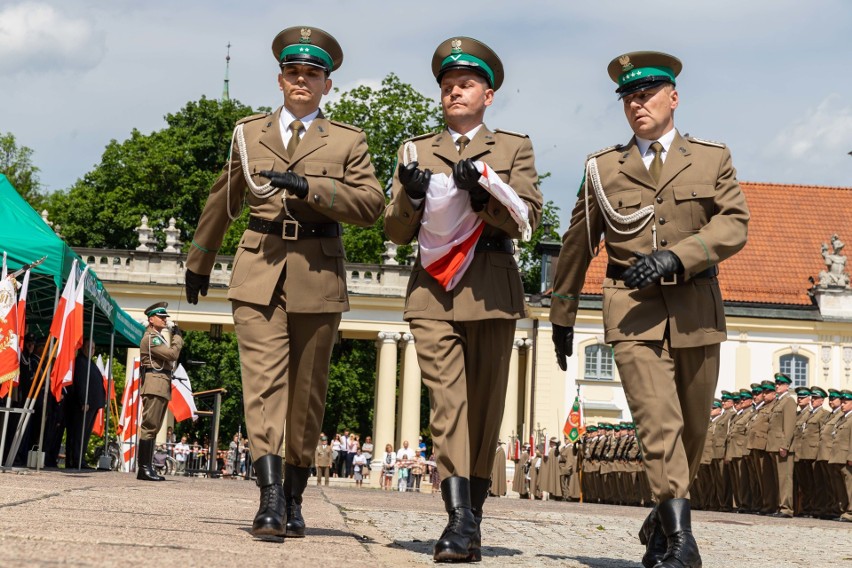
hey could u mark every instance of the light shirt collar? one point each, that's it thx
(287, 118)
(645, 146)
(457, 135)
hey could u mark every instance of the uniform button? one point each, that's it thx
(325, 171)
(620, 203)
(659, 199)
(405, 214)
(316, 198)
(662, 220)
(495, 211)
(694, 194)
(664, 242)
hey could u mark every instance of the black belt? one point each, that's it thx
(293, 230)
(495, 244)
(617, 273)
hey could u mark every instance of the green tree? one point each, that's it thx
(167, 173)
(16, 164)
(530, 260)
(389, 115)
(351, 381)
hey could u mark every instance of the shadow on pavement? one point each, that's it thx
(597, 562)
(426, 547)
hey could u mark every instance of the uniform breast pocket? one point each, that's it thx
(257, 165)
(695, 204)
(626, 202)
(324, 169)
(506, 282)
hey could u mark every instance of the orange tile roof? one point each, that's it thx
(788, 225)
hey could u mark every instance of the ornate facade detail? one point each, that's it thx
(173, 243)
(146, 236)
(835, 276)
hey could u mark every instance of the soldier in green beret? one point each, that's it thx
(301, 175)
(782, 428)
(464, 323)
(158, 357)
(840, 462)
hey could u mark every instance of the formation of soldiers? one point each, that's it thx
(770, 450)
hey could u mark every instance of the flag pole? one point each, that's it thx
(86, 398)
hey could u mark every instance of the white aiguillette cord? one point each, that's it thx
(610, 215)
(409, 153)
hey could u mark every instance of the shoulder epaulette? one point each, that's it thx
(603, 151)
(253, 117)
(705, 142)
(346, 126)
(421, 137)
(501, 131)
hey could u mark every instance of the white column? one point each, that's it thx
(383, 421)
(528, 344)
(509, 425)
(410, 395)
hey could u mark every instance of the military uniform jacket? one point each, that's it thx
(707, 452)
(758, 428)
(809, 445)
(801, 416)
(334, 159)
(158, 358)
(491, 288)
(566, 454)
(323, 456)
(735, 446)
(826, 435)
(782, 424)
(700, 214)
(841, 448)
(720, 434)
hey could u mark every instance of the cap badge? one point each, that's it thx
(306, 35)
(625, 63)
(456, 46)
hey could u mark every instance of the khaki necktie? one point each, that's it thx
(463, 141)
(295, 128)
(657, 163)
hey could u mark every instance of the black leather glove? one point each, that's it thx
(563, 342)
(649, 268)
(176, 331)
(467, 177)
(196, 284)
(296, 184)
(414, 181)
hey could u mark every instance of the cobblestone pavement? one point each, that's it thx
(110, 519)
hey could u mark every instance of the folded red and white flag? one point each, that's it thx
(450, 228)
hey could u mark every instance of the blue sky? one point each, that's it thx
(772, 79)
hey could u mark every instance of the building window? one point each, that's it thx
(795, 367)
(599, 363)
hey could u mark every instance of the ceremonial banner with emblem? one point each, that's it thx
(9, 340)
(574, 428)
(67, 328)
(182, 403)
(128, 422)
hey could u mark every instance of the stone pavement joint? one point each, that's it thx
(111, 519)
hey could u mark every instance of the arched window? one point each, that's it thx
(599, 363)
(795, 367)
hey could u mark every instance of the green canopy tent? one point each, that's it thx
(25, 238)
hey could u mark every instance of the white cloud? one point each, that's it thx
(821, 138)
(35, 38)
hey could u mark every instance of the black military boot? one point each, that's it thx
(682, 550)
(144, 468)
(478, 493)
(652, 536)
(456, 542)
(269, 520)
(295, 481)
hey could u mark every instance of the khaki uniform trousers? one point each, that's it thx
(465, 366)
(323, 472)
(668, 392)
(284, 359)
(153, 411)
(784, 471)
(803, 475)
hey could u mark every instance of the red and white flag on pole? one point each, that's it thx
(10, 345)
(70, 331)
(128, 422)
(182, 403)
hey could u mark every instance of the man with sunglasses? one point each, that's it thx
(670, 209)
